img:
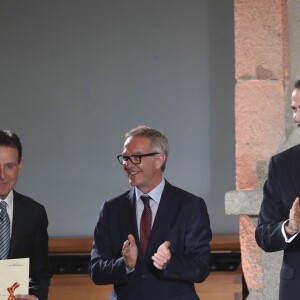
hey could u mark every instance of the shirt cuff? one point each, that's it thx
(286, 238)
(129, 270)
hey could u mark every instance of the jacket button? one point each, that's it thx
(144, 276)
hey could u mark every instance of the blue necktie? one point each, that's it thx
(4, 231)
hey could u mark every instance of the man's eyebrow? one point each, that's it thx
(138, 153)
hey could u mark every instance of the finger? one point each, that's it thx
(20, 297)
(295, 212)
(126, 244)
(125, 247)
(294, 208)
(164, 248)
(167, 244)
(131, 240)
(161, 255)
(157, 266)
(156, 262)
(296, 203)
(159, 259)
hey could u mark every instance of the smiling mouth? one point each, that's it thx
(132, 173)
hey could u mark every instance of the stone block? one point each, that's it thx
(251, 254)
(260, 126)
(260, 39)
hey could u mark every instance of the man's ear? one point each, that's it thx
(20, 165)
(160, 159)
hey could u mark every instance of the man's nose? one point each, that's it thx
(128, 163)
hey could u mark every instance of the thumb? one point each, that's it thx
(167, 244)
(131, 240)
(295, 203)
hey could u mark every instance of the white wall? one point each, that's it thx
(76, 75)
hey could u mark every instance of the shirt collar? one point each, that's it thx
(155, 194)
(9, 199)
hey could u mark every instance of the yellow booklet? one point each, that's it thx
(14, 277)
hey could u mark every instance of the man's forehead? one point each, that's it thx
(4, 148)
(295, 97)
(296, 92)
(137, 144)
(137, 140)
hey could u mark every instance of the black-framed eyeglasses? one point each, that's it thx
(135, 158)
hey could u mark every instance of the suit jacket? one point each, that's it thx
(280, 191)
(29, 238)
(182, 219)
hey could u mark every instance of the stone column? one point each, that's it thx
(266, 49)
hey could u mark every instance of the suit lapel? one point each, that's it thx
(159, 228)
(16, 224)
(293, 170)
(132, 202)
(132, 212)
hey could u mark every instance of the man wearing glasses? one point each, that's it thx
(152, 242)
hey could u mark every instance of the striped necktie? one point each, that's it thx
(4, 231)
(145, 226)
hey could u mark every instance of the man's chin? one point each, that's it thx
(132, 182)
(3, 195)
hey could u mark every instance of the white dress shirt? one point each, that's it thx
(155, 195)
(287, 240)
(10, 207)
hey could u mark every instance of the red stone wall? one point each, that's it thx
(261, 69)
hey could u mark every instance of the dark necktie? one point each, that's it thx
(145, 226)
(4, 231)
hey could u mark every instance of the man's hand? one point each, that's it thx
(293, 224)
(26, 297)
(163, 255)
(130, 252)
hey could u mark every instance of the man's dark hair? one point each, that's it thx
(10, 139)
(297, 84)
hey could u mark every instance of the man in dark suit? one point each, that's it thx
(279, 217)
(177, 253)
(27, 220)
